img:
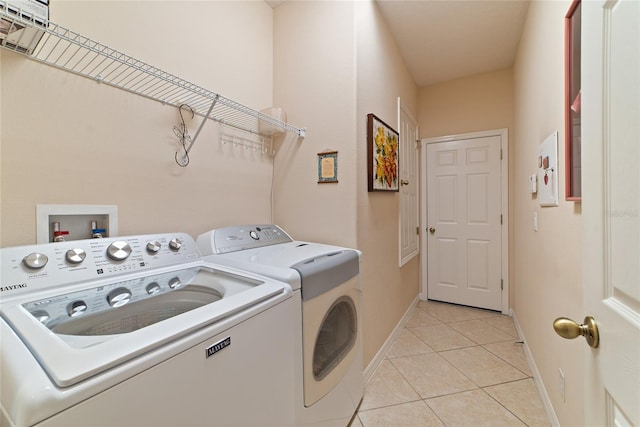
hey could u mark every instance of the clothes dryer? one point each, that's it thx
(325, 282)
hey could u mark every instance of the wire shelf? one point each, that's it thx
(47, 42)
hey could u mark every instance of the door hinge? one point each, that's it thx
(500, 219)
(418, 231)
(501, 154)
(501, 284)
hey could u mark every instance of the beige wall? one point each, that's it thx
(382, 77)
(469, 104)
(314, 74)
(548, 263)
(70, 140)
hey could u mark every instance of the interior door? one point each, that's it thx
(464, 222)
(611, 208)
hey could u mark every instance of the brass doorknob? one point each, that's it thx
(432, 230)
(404, 182)
(569, 329)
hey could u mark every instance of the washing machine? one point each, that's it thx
(325, 283)
(140, 331)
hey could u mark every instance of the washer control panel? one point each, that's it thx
(242, 237)
(58, 309)
(38, 267)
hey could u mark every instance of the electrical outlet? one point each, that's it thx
(561, 384)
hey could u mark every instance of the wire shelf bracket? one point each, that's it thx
(46, 42)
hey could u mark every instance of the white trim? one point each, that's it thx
(504, 162)
(408, 257)
(379, 357)
(542, 391)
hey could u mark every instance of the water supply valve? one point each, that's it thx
(58, 235)
(97, 233)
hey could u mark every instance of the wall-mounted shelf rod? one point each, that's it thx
(47, 42)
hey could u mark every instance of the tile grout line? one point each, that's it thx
(507, 409)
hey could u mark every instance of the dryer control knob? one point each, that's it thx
(75, 256)
(254, 235)
(76, 308)
(119, 297)
(175, 244)
(153, 247)
(35, 260)
(119, 250)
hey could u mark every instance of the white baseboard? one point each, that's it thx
(544, 396)
(379, 357)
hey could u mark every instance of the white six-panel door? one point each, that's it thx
(464, 239)
(611, 208)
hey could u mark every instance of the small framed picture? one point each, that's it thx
(327, 167)
(382, 155)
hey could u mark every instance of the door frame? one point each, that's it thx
(413, 146)
(503, 134)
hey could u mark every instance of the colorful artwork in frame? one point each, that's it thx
(382, 155)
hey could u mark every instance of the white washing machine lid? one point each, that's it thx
(76, 349)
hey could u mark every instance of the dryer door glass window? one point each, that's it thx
(337, 335)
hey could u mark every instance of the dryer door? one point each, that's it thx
(331, 339)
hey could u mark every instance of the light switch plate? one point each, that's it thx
(533, 183)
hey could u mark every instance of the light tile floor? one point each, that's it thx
(453, 366)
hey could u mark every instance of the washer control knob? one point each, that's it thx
(119, 297)
(175, 244)
(175, 283)
(119, 251)
(76, 308)
(153, 247)
(35, 260)
(41, 315)
(153, 288)
(254, 235)
(75, 256)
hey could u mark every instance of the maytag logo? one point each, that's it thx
(220, 345)
(13, 287)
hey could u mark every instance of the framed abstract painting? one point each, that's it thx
(382, 155)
